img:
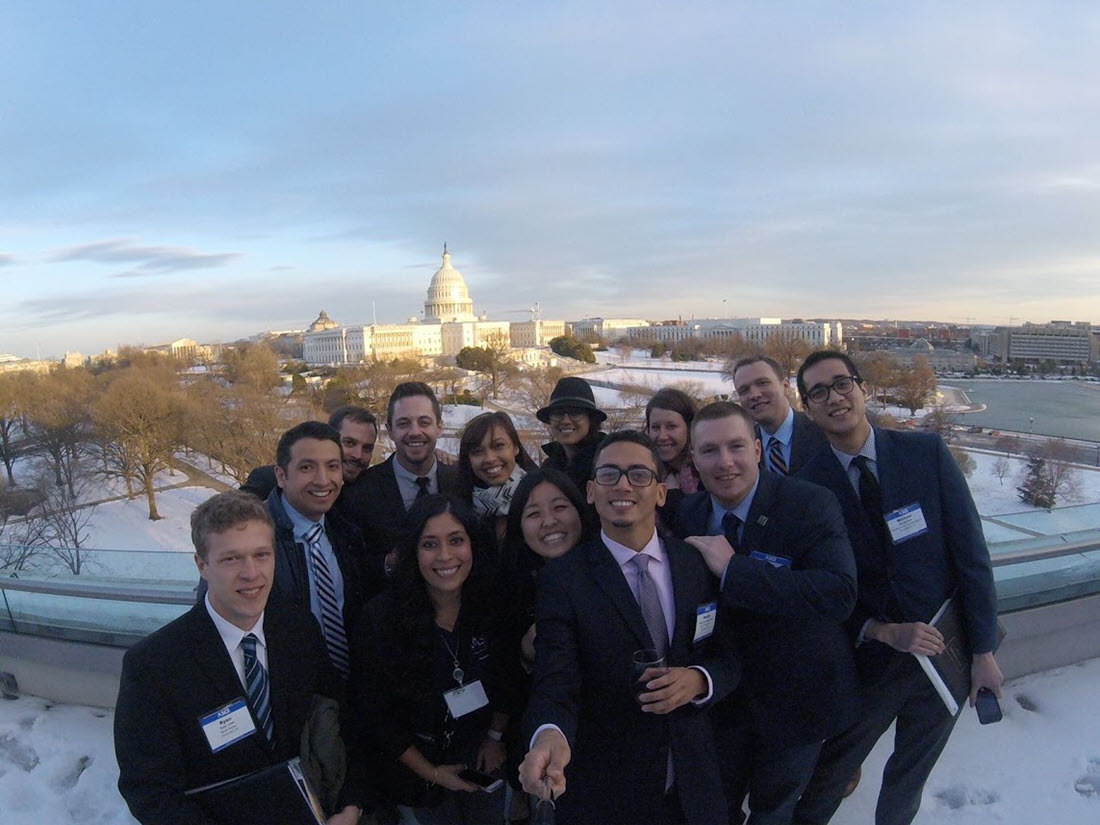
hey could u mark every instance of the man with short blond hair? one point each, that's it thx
(232, 656)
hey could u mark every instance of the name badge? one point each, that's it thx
(466, 699)
(774, 561)
(906, 522)
(228, 724)
(705, 614)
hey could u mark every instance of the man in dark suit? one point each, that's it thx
(261, 663)
(917, 540)
(611, 755)
(358, 430)
(378, 504)
(788, 439)
(790, 582)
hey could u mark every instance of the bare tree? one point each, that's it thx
(789, 352)
(625, 349)
(61, 520)
(140, 417)
(915, 385)
(941, 422)
(10, 415)
(735, 348)
(1065, 479)
(964, 460)
(1000, 469)
(57, 410)
(535, 386)
(879, 372)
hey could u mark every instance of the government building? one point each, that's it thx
(448, 325)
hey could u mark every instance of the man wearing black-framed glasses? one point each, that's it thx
(609, 747)
(917, 540)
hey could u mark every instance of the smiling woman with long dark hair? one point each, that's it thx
(432, 682)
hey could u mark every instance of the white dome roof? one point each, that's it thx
(448, 297)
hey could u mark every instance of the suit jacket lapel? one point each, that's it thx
(680, 564)
(210, 653)
(696, 513)
(752, 535)
(279, 661)
(609, 578)
(392, 491)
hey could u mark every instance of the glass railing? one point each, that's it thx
(1039, 557)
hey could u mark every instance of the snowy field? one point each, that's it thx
(1040, 764)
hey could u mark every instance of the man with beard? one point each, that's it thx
(358, 430)
(379, 502)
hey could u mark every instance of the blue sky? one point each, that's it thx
(211, 170)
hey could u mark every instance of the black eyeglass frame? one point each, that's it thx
(819, 393)
(640, 471)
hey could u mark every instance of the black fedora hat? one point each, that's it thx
(572, 393)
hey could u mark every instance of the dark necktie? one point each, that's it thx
(422, 483)
(332, 621)
(730, 525)
(775, 456)
(255, 682)
(650, 603)
(870, 495)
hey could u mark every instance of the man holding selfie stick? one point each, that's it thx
(610, 746)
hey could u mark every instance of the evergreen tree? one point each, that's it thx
(1038, 485)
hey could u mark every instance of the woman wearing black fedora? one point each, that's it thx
(574, 421)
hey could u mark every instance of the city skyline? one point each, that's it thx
(210, 171)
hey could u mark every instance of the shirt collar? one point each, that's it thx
(401, 472)
(624, 554)
(741, 510)
(783, 433)
(231, 634)
(867, 450)
(302, 525)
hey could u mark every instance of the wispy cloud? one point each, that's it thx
(6, 259)
(150, 260)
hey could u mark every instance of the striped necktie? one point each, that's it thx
(332, 621)
(255, 682)
(650, 603)
(775, 456)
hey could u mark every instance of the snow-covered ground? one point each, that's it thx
(1040, 764)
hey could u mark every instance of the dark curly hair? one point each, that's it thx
(416, 631)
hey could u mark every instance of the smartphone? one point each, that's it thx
(989, 709)
(484, 781)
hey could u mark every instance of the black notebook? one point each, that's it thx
(275, 794)
(949, 672)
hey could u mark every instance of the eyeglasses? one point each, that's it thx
(572, 414)
(608, 475)
(843, 386)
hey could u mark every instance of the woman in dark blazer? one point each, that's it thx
(434, 633)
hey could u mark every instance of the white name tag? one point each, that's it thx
(227, 724)
(705, 614)
(466, 699)
(906, 522)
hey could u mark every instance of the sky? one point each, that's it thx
(212, 170)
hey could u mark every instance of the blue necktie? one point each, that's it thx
(259, 691)
(332, 621)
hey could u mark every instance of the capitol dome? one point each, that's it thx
(448, 297)
(322, 323)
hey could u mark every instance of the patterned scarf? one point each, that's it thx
(494, 501)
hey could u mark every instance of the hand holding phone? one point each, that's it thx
(989, 709)
(484, 781)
